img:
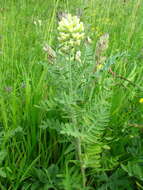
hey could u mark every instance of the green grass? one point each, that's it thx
(62, 126)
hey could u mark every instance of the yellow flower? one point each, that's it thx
(99, 67)
(63, 36)
(141, 100)
(77, 43)
(78, 36)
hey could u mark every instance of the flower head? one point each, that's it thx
(51, 54)
(71, 33)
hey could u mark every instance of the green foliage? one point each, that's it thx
(42, 178)
(64, 126)
(117, 180)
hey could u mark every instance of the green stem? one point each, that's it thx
(77, 140)
(79, 151)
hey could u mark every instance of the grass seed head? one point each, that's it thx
(51, 54)
(101, 47)
(102, 44)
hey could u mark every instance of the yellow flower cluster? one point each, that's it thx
(71, 33)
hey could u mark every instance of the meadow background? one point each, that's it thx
(63, 126)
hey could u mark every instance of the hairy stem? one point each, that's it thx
(79, 151)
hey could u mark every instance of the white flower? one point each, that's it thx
(89, 40)
(37, 22)
(78, 56)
